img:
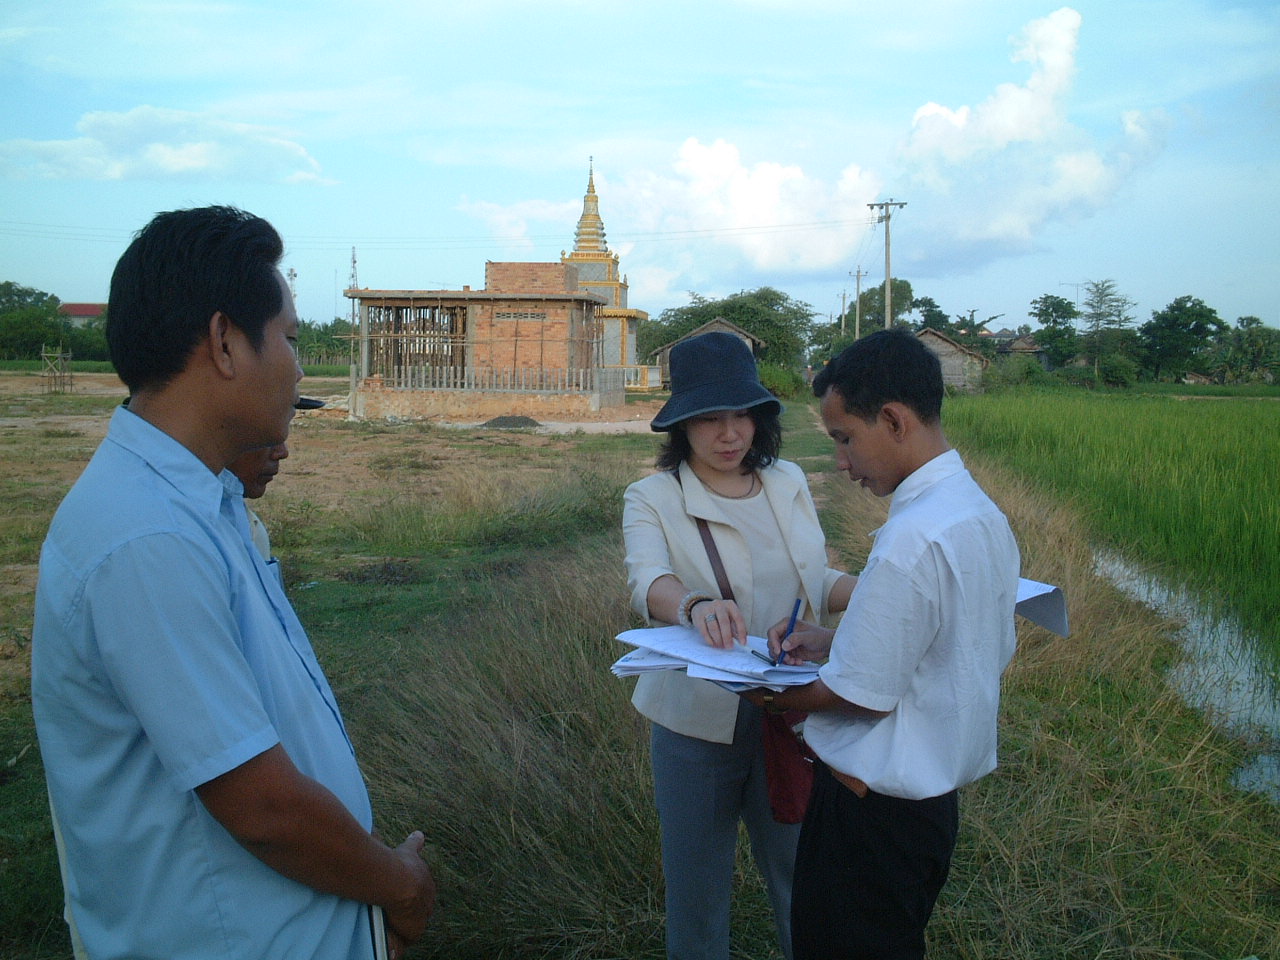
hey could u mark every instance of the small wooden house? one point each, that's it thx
(662, 355)
(961, 367)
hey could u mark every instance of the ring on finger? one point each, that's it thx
(710, 618)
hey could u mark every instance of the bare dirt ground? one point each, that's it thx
(46, 440)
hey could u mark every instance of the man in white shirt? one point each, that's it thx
(904, 710)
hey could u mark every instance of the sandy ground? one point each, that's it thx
(633, 418)
(46, 452)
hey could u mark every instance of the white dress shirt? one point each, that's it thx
(928, 632)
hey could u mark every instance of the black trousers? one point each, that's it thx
(868, 872)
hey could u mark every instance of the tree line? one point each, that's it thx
(1096, 342)
(31, 321)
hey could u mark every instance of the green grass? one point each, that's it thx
(54, 404)
(1190, 489)
(77, 366)
(468, 639)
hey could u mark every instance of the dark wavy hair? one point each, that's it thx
(182, 268)
(764, 445)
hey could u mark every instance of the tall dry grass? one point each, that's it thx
(1110, 829)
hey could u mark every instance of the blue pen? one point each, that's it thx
(795, 612)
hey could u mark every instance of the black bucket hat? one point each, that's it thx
(710, 372)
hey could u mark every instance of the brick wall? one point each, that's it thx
(505, 336)
(530, 278)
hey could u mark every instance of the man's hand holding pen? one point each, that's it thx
(795, 644)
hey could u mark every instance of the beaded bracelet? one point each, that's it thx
(686, 606)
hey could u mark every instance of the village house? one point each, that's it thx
(663, 353)
(78, 314)
(1024, 346)
(961, 367)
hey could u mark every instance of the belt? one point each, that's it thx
(853, 783)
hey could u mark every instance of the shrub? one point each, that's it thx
(781, 381)
(1015, 371)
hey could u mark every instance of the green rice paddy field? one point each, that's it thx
(1189, 488)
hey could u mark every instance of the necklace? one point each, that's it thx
(729, 496)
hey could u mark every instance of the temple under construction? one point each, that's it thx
(541, 339)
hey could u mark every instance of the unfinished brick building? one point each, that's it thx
(531, 343)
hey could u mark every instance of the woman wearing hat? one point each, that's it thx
(719, 464)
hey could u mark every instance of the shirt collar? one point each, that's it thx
(171, 461)
(925, 476)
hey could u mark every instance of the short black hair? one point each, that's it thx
(888, 366)
(764, 445)
(182, 268)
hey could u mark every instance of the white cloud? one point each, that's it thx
(510, 223)
(993, 175)
(771, 214)
(709, 216)
(149, 143)
(1013, 113)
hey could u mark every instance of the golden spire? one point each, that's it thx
(589, 237)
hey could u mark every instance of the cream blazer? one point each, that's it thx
(660, 532)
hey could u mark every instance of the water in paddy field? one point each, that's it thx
(1221, 677)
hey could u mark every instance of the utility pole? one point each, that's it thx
(885, 214)
(857, 304)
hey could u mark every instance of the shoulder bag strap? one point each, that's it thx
(713, 554)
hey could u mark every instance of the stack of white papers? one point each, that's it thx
(682, 648)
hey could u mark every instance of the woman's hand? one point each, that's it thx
(720, 622)
(807, 641)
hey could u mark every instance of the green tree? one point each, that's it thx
(931, 315)
(1174, 337)
(872, 301)
(783, 324)
(1248, 352)
(827, 340)
(1057, 334)
(25, 331)
(89, 340)
(324, 342)
(1106, 314)
(29, 320)
(14, 296)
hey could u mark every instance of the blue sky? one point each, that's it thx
(736, 143)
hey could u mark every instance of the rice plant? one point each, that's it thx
(1190, 489)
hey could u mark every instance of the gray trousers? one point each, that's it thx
(702, 790)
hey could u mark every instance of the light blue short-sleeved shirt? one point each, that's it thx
(165, 654)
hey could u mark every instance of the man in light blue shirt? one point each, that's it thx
(208, 796)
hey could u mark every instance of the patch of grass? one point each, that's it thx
(1110, 827)
(468, 636)
(51, 404)
(1189, 489)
